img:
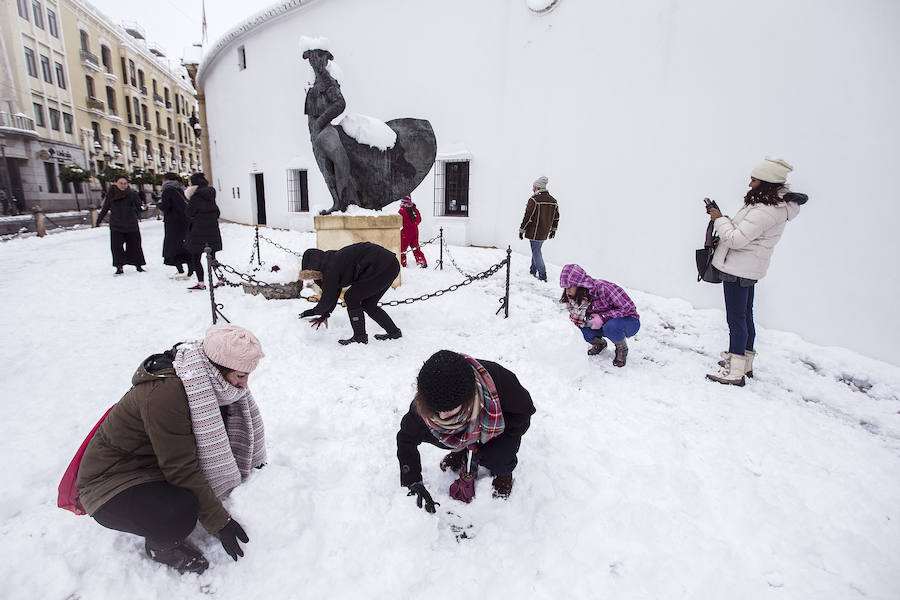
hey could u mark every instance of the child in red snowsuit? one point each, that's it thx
(409, 235)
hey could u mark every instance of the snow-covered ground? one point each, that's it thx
(642, 482)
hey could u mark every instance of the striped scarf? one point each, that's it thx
(480, 423)
(226, 450)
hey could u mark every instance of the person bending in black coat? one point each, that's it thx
(369, 270)
(465, 405)
(121, 203)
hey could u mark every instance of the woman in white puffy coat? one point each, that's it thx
(742, 257)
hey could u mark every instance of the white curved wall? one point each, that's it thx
(635, 111)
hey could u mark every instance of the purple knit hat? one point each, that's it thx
(232, 347)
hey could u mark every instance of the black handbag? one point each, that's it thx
(704, 256)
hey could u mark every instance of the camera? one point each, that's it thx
(710, 204)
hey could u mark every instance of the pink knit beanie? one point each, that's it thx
(232, 347)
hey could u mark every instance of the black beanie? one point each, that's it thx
(446, 380)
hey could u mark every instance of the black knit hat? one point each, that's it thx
(446, 380)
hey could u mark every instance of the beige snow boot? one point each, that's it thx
(749, 354)
(733, 371)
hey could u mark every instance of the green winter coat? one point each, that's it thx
(147, 437)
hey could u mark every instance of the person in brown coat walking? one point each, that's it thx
(539, 224)
(186, 433)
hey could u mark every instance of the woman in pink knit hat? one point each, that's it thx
(186, 433)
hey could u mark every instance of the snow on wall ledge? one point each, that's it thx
(635, 112)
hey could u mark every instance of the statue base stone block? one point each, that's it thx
(333, 232)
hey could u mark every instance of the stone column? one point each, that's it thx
(40, 226)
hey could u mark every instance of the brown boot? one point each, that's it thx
(503, 485)
(621, 354)
(453, 461)
(597, 346)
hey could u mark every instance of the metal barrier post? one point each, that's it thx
(506, 298)
(39, 225)
(441, 259)
(258, 259)
(212, 288)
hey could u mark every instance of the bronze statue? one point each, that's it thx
(357, 173)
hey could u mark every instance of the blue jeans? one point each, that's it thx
(739, 314)
(537, 260)
(615, 329)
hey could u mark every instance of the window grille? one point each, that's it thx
(298, 191)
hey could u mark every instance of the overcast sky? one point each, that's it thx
(176, 24)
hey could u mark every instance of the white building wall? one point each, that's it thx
(635, 111)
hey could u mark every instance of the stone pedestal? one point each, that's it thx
(333, 232)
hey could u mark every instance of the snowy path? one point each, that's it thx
(642, 482)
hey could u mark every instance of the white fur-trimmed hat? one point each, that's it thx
(773, 170)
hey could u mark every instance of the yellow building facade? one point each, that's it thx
(134, 107)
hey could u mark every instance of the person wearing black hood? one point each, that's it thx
(464, 405)
(124, 233)
(203, 229)
(175, 223)
(368, 269)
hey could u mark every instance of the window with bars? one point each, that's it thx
(45, 69)
(38, 13)
(61, 76)
(51, 23)
(451, 188)
(30, 62)
(298, 190)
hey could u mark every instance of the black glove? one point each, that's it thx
(418, 489)
(521, 236)
(229, 536)
(307, 313)
(552, 234)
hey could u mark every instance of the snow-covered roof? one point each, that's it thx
(252, 23)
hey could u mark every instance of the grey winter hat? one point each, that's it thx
(541, 182)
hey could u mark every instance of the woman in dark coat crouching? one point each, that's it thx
(464, 405)
(203, 230)
(369, 270)
(121, 203)
(186, 433)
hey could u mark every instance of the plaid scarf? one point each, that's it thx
(478, 424)
(226, 450)
(578, 311)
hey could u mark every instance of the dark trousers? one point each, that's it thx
(126, 248)
(366, 294)
(197, 265)
(159, 511)
(739, 314)
(500, 455)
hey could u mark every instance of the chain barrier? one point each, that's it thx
(453, 262)
(280, 247)
(469, 279)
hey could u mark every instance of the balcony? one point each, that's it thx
(158, 99)
(161, 132)
(171, 135)
(133, 29)
(111, 111)
(147, 126)
(156, 49)
(17, 121)
(168, 104)
(90, 60)
(144, 90)
(95, 103)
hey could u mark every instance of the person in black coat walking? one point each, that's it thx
(465, 405)
(369, 270)
(204, 224)
(124, 233)
(175, 223)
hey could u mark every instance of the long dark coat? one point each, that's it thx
(122, 207)
(515, 402)
(204, 215)
(175, 221)
(356, 265)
